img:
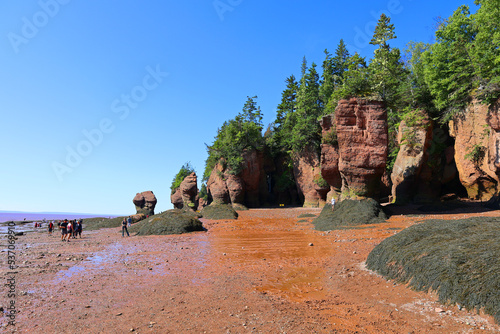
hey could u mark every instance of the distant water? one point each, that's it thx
(17, 216)
(33, 216)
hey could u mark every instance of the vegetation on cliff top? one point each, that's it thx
(185, 170)
(460, 260)
(439, 78)
(241, 133)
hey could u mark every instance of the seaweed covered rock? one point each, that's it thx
(459, 259)
(349, 213)
(173, 221)
(219, 211)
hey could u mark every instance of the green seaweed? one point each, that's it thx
(458, 259)
(349, 214)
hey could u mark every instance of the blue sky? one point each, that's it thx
(104, 99)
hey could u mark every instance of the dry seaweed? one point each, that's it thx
(459, 259)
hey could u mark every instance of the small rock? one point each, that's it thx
(438, 310)
(354, 252)
(87, 306)
(119, 314)
(311, 244)
(132, 330)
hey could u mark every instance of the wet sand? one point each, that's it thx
(263, 273)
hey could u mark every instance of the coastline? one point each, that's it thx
(266, 272)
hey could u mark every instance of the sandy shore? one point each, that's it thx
(267, 272)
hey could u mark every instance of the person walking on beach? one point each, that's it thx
(333, 203)
(69, 231)
(129, 221)
(124, 228)
(64, 229)
(79, 228)
(51, 227)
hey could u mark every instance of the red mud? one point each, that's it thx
(263, 273)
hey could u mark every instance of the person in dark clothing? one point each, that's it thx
(124, 228)
(64, 229)
(79, 228)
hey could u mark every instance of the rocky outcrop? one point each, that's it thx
(186, 196)
(477, 139)
(247, 188)
(189, 191)
(216, 186)
(362, 139)
(414, 143)
(137, 217)
(307, 173)
(145, 203)
(330, 157)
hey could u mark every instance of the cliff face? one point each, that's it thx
(413, 153)
(362, 140)
(477, 140)
(330, 157)
(307, 174)
(244, 188)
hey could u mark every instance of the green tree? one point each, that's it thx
(386, 67)
(332, 76)
(449, 70)
(279, 139)
(356, 81)
(235, 136)
(185, 170)
(307, 130)
(485, 49)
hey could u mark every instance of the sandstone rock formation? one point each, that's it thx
(189, 191)
(362, 139)
(248, 188)
(145, 203)
(307, 174)
(330, 157)
(477, 155)
(414, 142)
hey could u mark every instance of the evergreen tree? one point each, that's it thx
(327, 80)
(386, 67)
(307, 130)
(449, 70)
(280, 139)
(340, 62)
(239, 134)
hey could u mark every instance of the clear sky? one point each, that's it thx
(104, 99)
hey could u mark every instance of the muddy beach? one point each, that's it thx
(267, 272)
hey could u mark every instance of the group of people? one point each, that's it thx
(69, 229)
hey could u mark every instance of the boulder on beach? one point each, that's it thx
(145, 203)
(349, 214)
(219, 211)
(173, 221)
